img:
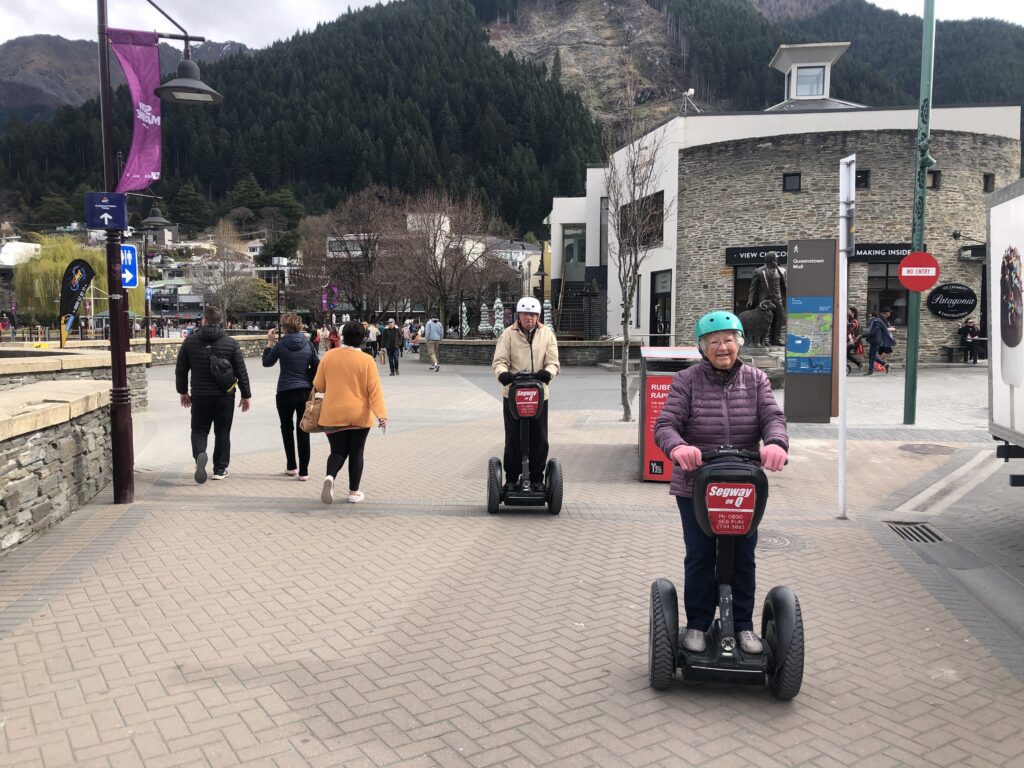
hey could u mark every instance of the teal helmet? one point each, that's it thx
(718, 320)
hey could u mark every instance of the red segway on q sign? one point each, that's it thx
(730, 491)
(526, 396)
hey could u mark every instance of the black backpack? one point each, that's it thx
(222, 371)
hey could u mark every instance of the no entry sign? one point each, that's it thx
(919, 271)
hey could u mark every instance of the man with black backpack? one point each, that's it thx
(218, 369)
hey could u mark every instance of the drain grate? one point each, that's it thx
(922, 533)
(928, 449)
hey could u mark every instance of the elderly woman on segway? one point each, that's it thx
(720, 401)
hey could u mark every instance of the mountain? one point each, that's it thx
(39, 73)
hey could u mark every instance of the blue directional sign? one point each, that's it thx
(106, 210)
(129, 266)
(149, 294)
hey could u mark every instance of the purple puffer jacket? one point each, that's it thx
(707, 408)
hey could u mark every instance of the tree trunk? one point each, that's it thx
(624, 373)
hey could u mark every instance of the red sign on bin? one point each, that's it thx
(919, 271)
(730, 507)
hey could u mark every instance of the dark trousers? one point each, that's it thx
(216, 410)
(393, 353)
(971, 350)
(700, 589)
(291, 404)
(873, 357)
(538, 444)
(347, 444)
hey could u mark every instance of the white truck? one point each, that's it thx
(1006, 321)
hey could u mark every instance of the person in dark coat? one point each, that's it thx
(392, 341)
(210, 402)
(719, 401)
(877, 335)
(298, 358)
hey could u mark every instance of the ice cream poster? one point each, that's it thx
(1006, 315)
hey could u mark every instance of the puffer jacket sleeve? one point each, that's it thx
(770, 415)
(669, 425)
(181, 368)
(238, 363)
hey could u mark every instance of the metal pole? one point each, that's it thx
(923, 161)
(145, 262)
(122, 450)
(847, 204)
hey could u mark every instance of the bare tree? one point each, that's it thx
(636, 207)
(226, 278)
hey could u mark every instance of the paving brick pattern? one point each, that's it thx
(246, 623)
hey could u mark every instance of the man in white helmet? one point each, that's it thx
(526, 345)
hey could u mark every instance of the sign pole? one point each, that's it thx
(847, 202)
(924, 161)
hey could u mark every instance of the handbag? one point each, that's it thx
(310, 421)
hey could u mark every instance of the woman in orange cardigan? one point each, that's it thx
(352, 400)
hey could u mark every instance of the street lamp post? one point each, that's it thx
(280, 262)
(187, 88)
(541, 274)
(155, 220)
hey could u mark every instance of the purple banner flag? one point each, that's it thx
(137, 52)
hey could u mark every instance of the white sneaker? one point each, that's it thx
(750, 643)
(693, 640)
(356, 496)
(292, 472)
(327, 494)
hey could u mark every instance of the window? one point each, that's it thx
(863, 180)
(789, 85)
(885, 290)
(810, 81)
(791, 182)
(641, 223)
(988, 182)
(604, 230)
(574, 244)
(934, 179)
(636, 312)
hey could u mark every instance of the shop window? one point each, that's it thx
(642, 222)
(885, 290)
(791, 182)
(988, 182)
(574, 244)
(810, 81)
(934, 179)
(863, 180)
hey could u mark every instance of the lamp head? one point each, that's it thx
(187, 88)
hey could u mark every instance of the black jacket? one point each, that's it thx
(193, 357)
(392, 338)
(295, 353)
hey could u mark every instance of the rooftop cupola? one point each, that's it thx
(808, 71)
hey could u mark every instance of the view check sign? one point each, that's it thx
(129, 266)
(919, 271)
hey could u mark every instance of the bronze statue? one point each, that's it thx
(769, 284)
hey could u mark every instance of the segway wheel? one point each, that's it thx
(782, 627)
(662, 652)
(553, 486)
(493, 485)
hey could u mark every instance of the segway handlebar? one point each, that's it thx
(727, 451)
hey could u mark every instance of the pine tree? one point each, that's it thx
(190, 209)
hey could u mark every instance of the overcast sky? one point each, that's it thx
(258, 23)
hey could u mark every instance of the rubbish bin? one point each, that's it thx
(657, 367)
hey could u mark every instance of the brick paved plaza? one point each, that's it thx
(245, 623)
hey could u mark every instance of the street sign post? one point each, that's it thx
(919, 271)
(129, 266)
(106, 210)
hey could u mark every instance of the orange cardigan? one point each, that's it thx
(351, 385)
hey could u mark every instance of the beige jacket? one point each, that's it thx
(516, 354)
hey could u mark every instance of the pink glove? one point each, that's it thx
(773, 458)
(687, 456)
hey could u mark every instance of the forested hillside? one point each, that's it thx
(408, 95)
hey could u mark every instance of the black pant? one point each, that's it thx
(538, 444)
(218, 410)
(290, 406)
(347, 444)
(393, 358)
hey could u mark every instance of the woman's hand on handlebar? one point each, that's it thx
(773, 458)
(687, 456)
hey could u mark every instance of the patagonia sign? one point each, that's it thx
(952, 301)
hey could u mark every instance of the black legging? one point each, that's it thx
(347, 444)
(291, 404)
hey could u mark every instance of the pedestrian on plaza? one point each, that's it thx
(353, 399)
(407, 336)
(719, 401)
(969, 334)
(372, 339)
(299, 361)
(314, 336)
(392, 343)
(876, 336)
(526, 345)
(212, 402)
(333, 338)
(433, 333)
(854, 346)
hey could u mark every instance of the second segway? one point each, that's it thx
(525, 400)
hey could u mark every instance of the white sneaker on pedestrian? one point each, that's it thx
(222, 475)
(327, 494)
(693, 640)
(355, 496)
(292, 472)
(750, 643)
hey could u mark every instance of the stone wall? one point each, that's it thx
(21, 367)
(165, 351)
(54, 454)
(481, 352)
(730, 194)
